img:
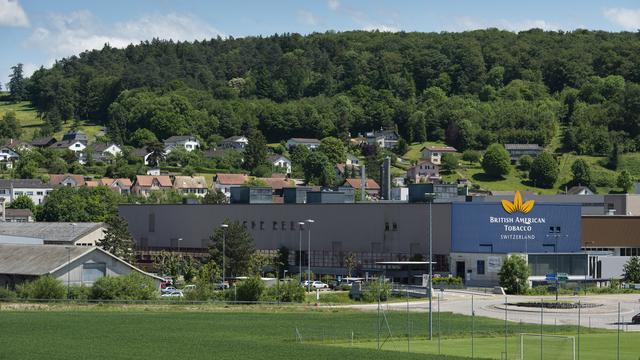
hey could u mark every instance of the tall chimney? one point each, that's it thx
(385, 176)
(363, 182)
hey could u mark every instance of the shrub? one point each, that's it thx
(373, 288)
(544, 170)
(514, 275)
(472, 156)
(525, 162)
(291, 292)
(133, 286)
(250, 289)
(6, 294)
(446, 280)
(204, 292)
(79, 292)
(44, 287)
(496, 161)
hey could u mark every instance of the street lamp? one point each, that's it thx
(179, 240)
(555, 234)
(429, 197)
(68, 270)
(300, 225)
(310, 221)
(224, 233)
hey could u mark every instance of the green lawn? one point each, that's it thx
(30, 121)
(271, 332)
(227, 333)
(414, 149)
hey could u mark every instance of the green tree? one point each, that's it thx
(317, 169)
(141, 138)
(156, 153)
(117, 239)
(614, 157)
(26, 168)
(581, 173)
(215, 197)
(81, 204)
(514, 275)
(350, 263)
(544, 170)
(401, 147)
(624, 181)
(255, 153)
(250, 289)
(23, 202)
(496, 161)
(282, 259)
(631, 270)
(333, 149)
(10, 126)
(525, 162)
(449, 162)
(472, 156)
(43, 288)
(17, 84)
(238, 245)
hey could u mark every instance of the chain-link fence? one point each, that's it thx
(490, 327)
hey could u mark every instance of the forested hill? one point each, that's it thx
(469, 89)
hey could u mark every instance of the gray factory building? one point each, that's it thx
(374, 232)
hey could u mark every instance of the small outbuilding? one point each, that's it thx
(73, 265)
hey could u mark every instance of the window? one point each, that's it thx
(386, 226)
(480, 267)
(395, 226)
(19, 193)
(92, 271)
(152, 222)
(30, 193)
(39, 193)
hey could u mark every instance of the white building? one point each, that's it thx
(312, 144)
(234, 142)
(72, 265)
(434, 153)
(33, 188)
(280, 161)
(188, 142)
(352, 160)
(196, 185)
(424, 171)
(104, 151)
(224, 182)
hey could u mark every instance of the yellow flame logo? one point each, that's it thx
(517, 205)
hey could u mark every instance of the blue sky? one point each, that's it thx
(37, 32)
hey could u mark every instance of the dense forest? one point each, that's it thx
(468, 89)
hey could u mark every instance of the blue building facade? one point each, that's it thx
(490, 228)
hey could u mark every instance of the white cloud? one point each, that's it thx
(629, 19)
(308, 18)
(69, 34)
(12, 14)
(381, 28)
(463, 23)
(333, 4)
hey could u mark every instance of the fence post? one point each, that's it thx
(473, 328)
(541, 327)
(506, 350)
(618, 357)
(408, 330)
(439, 294)
(579, 309)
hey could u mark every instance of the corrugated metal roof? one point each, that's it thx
(37, 259)
(52, 231)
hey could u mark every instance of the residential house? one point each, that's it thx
(76, 135)
(424, 171)
(121, 185)
(18, 215)
(9, 152)
(145, 184)
(33, 188)
(54, 233)
(66, 180)
(280, 161)
(517, 150)
(76, 146)
(434, 153)
(371, 187)
(43, 142)
(75, 265)
(386, 139)
(104, 152)
(224, 182)
(234, 142)
(352, 160)
(188, 142)
(196, 185)
(312, 144)
(346, 170)
(277, 184)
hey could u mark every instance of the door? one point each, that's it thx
(460, 269)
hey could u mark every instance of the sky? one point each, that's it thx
(37, 32)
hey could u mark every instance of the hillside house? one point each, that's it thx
(188, 142)
(66, 180)
(234, 142)
(434, 153)
(33, 188)
(311, 144)
(224, 182)
(145, 184)
(196, 185)
(517, 150)
(280, 161)
(424, 171)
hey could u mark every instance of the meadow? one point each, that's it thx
(252, 332)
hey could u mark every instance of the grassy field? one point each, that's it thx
(251, 332)
(30, 121)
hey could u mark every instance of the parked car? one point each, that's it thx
(319, 285)
(176, 293)
(222, 286)
(168, 290)
(635, 319)
(189, 287)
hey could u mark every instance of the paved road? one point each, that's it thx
(604, 316)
